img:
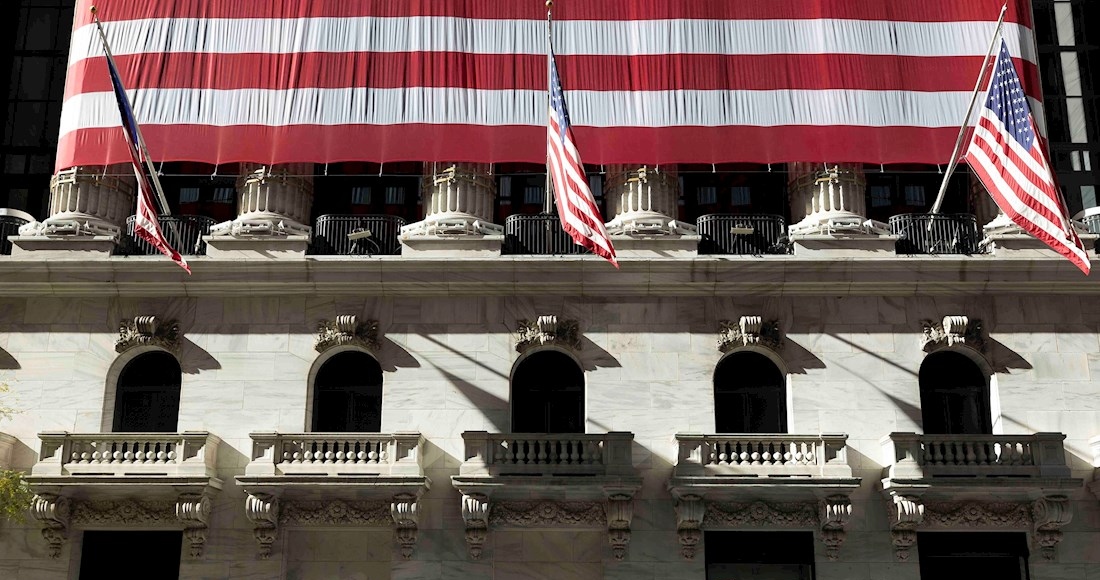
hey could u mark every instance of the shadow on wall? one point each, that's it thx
(797, 359)
(393, 356)
(7, 361)
(193, 359)
(593, 356)
(1004, 359)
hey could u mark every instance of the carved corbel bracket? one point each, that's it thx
(835, 512)
(906, 514)
(548, 330)
(620, 512)
(147, 331)
(1048, 515)
(953, 330)
(348, 330)
(689, 520)
(749, 331)
(405, 510)
(193, 510)
(263, 511)
(475, 512)
(52, 511)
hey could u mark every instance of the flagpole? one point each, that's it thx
(150, 169)
(548, 203)
(969, 111)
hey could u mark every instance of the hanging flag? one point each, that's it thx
(146, 224)
(1008, 156)
(580, 217)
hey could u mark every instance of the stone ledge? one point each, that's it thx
(663, 246)
(1027, 246)
(62, 247)
(256, 247)
(842, 245)
(464, 246)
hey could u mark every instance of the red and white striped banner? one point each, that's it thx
(650, 81)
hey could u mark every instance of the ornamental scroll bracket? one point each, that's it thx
(548, 330)
(475, 512)
(952, 330)
(749, 331)
(52, 511)
(147, 331)
(347, 330)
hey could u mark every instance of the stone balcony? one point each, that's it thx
(988, 482)
(547, 480)
(335, 479)
(125, 479)
(762, 480)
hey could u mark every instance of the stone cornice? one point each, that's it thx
(541, 275)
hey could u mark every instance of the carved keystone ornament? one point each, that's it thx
(953, 330)
(749, 331)
(347, 330)
(147, 331)
(548, 330)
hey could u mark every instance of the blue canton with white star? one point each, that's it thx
(1008, 101)
(557, 100)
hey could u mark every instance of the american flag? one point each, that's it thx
(580, 217)
(1008, 156)
(146, 224)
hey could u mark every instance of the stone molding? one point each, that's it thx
(952, 330)
(58, 514)
(148, 331)
(548, 330)
(829, 516)
(749, 331)
(336, 513)
(347, 330)
(475, 513)
(1043, 518)
(690, 511)
(532, 514)
(263, 511)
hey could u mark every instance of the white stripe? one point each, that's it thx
(577, 37)
(599, 234)
(585, 205)
(991, 138)
(1018, 206)
(517, 107)
(1026, 185)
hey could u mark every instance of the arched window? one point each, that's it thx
(347, 394)
(750, 395)
(548, 394)
(147, 396)
(954, 395)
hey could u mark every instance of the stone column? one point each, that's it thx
(88, 201)
(458, 211)
(271, 201)
(826, 201)
(643, 201)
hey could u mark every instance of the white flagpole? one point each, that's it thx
(137, 130)
(549, 201)
(969, 111)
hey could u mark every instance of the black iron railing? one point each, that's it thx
(357, 235)
(538, 234)
(183, 232)
(752, 234)
(922, 233)
(9, 226)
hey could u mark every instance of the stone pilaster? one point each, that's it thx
(458, 211)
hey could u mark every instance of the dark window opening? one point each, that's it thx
(1000, 555)
(149, 554)
(750, 395)
(147, 397)
(347, 395)
(360, 189)
(954, 396)
(731, 189)
(548, 395)
(760, 555)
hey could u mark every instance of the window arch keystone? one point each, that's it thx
(147, 331)
(548, 330)
(951, 331)
(347, 330)
(749, 331)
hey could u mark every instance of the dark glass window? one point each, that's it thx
(954, 396)
(347, 395)
(760, 555)
(548, 395)
(368, 189)
(737, 188)
(750, 395)
(1000, 555)
(149, 554)
(147, 397)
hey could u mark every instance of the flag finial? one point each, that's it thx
(549, 4)
(92, 9)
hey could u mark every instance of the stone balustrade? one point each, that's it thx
(187, 454)
(917, 456)
(762, 455)
(288, 454)
(494, 454)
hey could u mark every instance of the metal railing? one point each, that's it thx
(538, 234)
(357, 235)
(922, 233)
(183, 232)
(9, 226)
(749, 234)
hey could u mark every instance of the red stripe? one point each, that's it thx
(560, 161)
(1003, 154)
(595, 73)
(521, 144)
(925, 11)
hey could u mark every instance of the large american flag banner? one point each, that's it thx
(650, 81)
(1008, 156)
(580, 217)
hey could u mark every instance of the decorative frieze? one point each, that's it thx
(761, 514)
(475, 513)
(336, 513)
(548, 330)
(52, 511)
(829, 516)
(147, 331)
(347, 330)
(749, 331)
(126, 512)
(952, 330)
